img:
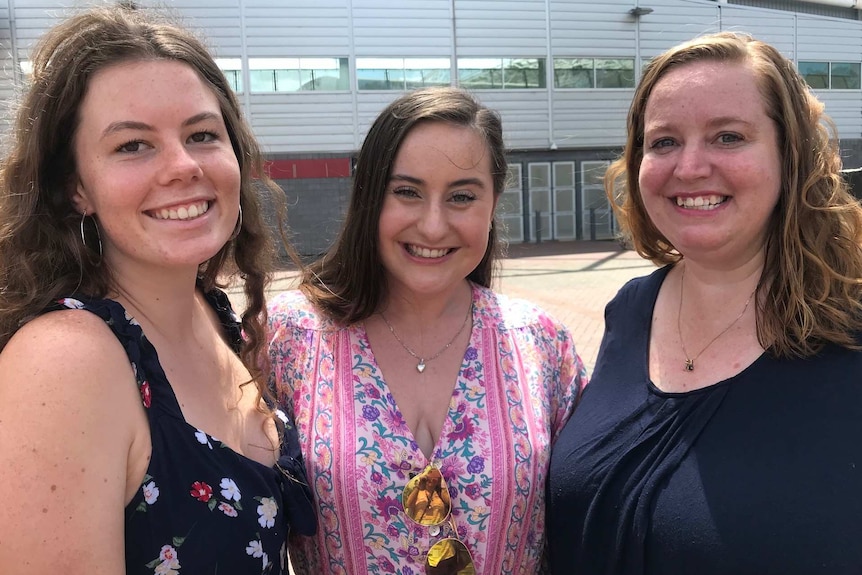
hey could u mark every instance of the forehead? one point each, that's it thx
(146, 86)
(462, 146)
(730, 88)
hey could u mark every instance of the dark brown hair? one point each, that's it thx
(41, 253)
(348, 283)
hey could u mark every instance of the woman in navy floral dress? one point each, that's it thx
(126, 193)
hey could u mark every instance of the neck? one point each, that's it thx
(707, 281)
(163, 301)
(422, 309)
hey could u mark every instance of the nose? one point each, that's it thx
(179, 164)
(692, 162)
(432, 222)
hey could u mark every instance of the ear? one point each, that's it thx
(79, 197)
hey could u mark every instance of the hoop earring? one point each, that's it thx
(238, 227)
(98, 236)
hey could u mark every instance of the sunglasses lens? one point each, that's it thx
(449, 557)
(426, 497)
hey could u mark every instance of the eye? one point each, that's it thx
(203, 137)
(406, 192)
(462, 197)
(662, 143)
(729, 138)
(131, 147)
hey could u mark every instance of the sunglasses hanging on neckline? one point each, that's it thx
(426, 501)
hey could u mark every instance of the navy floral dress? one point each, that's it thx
(203, 508)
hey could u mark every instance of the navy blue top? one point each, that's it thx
(203, 508)
(757, 474)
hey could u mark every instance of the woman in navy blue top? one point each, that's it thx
(720, 431)
(137, 434)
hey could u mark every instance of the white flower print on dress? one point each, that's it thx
(255, 548)
(151, 492)
(281, 415)
(169, 563)
(267, 510)
(229, 490)
(202, 438)
(265, 561)
(71, 303)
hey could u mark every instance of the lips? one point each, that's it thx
(187, 212)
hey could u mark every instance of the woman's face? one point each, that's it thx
(155, 165)
(711, 171)
(437, 212)
(434, 479)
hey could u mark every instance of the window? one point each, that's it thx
(232, 68)
(573, 73)
(845, 75)
(501, 73)
(816, 74)
(402, 73)
(832, 75)
(298, 74)
(594, 72)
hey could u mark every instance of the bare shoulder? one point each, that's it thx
(70, 413)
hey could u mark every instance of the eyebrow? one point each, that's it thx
(454, 184)
(115, 127)
(713, 123)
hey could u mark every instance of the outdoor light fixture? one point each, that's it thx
(639, 11)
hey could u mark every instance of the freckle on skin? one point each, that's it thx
(44, 510)
(53, 488)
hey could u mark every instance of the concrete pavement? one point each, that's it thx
(571, 280)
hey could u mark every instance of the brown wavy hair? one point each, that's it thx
(41, 254)
(810, 288)
(348, 283)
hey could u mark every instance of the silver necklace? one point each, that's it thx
(689, 361)
(420, 367)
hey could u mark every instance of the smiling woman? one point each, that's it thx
(426, 404)
(127, 191)
(720, 432)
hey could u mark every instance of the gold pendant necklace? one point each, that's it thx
(689, 361)
(420, 367)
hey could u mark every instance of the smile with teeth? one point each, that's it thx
(701, 202)
(420, 252)
(182, 212)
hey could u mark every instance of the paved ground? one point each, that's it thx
(571, 280)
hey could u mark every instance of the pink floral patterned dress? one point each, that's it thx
(518, 384)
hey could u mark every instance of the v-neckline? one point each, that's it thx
(449, 422)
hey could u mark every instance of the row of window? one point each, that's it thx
(332, 74)
(832, 75)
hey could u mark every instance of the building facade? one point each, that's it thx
(312, 76)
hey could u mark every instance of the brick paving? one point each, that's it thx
(571, 280)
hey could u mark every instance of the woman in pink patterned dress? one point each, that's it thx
(397, 360)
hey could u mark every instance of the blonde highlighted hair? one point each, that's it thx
(809, 292)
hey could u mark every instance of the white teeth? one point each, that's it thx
(184, 212)
(426, 252)
(701, 202)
